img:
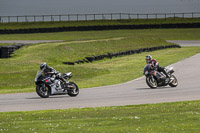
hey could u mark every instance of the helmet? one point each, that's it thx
(43, 65)
(148, 58)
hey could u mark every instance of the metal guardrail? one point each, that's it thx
(88, 17)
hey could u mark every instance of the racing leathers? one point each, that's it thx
(50, 71)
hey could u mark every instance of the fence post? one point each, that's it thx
(94, 17)
(192, 15)
(111, 16)
(86, 17)
(120, 15)
(8, 19)
(165, 16)
(183, 15)
(17, 19)
(68, 17)
(137, 16)
(77, 17)
(59, 17)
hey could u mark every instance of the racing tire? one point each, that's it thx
(42, 92)
(174, 83)
(151, 84)
(73, 91)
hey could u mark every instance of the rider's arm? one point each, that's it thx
(155, 63)
(51, 69)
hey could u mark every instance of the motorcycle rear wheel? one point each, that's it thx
(74, 91)
(174, 83)
(42, 92)
(151, 84)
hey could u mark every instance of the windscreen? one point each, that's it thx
(39, 73)
(147, 67)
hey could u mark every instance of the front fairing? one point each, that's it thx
(147, 69)
(39, 73)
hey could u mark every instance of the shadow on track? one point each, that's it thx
(63, 96)
(162, 87)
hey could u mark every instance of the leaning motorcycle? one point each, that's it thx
(155, 79)
(51, 85)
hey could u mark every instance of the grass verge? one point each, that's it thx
(167, 34)
(28, 25)
(4, 44)
(176, 117)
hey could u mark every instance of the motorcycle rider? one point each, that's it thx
(155, 65)
(49, 71)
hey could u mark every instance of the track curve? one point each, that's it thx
(133, 92)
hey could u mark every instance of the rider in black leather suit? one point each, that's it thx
(49, 71)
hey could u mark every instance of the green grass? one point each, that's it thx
(180, 117)
(27, 25)
(3, 44)
(167, 34)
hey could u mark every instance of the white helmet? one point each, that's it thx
(148, 58)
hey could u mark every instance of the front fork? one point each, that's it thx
(44, 87)
(152, 78)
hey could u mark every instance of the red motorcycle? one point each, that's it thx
(155, 79)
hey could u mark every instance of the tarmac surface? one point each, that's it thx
(130, 93)
(186, 42)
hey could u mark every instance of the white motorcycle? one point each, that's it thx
(51, 85)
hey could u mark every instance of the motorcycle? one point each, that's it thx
(51, 85)
(156, 79)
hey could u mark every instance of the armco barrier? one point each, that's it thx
(0, 52)
(99, 27)
(123, 53)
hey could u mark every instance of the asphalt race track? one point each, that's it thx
(133, 92)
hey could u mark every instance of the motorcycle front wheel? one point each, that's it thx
(73, 89)
(174, 82)
(42, 91)
(151, 83)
